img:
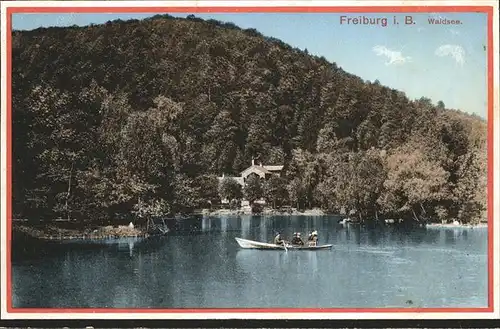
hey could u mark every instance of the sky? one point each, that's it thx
(440, 62)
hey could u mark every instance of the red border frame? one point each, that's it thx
(275, 9)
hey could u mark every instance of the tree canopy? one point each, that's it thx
(134, 117)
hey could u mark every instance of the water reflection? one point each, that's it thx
(223, 224)
(313, 262)
(366, 268)
(356, 232)
(451, 235)
(245, 227)
(206, 223)
(373, 236)
(125, 244)
(263, 236)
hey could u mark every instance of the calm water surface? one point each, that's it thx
(201, 265)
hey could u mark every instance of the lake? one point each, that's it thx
(200, 265)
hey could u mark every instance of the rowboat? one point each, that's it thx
(249, 244)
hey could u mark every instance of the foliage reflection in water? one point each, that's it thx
(201, 265)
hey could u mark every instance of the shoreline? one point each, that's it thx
(319, 213)
(56, 232)
(437, 225)
(267, 212)
(51, 232)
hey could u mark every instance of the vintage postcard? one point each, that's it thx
(249, 160)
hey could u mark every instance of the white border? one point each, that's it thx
(206, 3)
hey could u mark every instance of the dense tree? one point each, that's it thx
(136, 118)
(230, 189)
(253, 189)
(304, 168)
(415, 184)
(274, 191)
(208, 189)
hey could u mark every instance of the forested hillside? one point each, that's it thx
(140, 116)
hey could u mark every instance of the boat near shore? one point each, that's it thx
(249, 244)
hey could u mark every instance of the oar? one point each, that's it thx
(284, 245)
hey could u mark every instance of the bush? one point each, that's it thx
(234, 204)
(257, 208)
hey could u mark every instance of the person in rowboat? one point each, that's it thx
(278, 240)
(297, 240)
(313, 238)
